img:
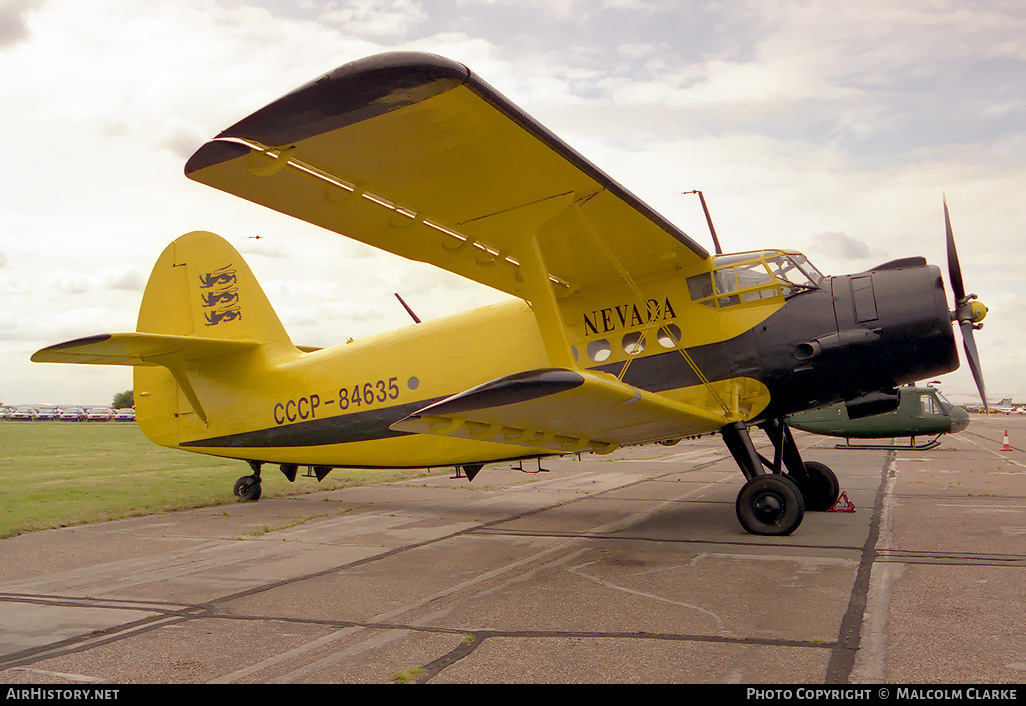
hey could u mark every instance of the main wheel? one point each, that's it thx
(822, 489)
(247, 488)
(770, 505)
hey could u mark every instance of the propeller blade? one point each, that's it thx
(971, 354)
(967, 319)
(954, 269)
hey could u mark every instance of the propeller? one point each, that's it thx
(969, 312)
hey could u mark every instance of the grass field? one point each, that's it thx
(55, 474)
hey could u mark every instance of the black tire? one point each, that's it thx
(770, 505)
(247, 488)
(822, 489)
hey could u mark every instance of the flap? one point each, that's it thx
(561, 410)
(414, 154)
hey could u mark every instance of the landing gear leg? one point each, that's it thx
(769, 503)
(248, 487)
(817, 482)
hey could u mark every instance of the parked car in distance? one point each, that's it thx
(73, 414)
(99, 414)
(126, 414)
(47, 414)
(5, 413)
(23, 414)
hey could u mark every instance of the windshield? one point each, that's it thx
(947, 405)
(796, 270)
(747, 277)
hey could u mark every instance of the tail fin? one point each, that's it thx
(201, 310)
(202, 287)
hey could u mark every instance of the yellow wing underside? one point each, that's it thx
(415, 155)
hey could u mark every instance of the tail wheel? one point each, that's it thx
(770, 505)
(247, 488)
(822, 489)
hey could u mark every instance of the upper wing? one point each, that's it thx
(414, 154)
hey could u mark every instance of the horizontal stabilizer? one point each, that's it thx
(560, 410)
(146, 349)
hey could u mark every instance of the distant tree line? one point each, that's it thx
(123, 400)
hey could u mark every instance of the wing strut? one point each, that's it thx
(641, 297)
(529, 219)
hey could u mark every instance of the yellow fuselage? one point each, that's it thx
(333, 407)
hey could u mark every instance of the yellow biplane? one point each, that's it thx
(623, 329)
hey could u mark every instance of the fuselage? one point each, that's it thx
(744, 337)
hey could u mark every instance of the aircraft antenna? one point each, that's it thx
(409, 311)
(708, 219)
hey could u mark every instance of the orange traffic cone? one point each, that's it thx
(1005, 446)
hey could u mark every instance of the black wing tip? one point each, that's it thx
(351, 93)
(67, 345)
(213, 153)
(99, 338)
(511, 389)
(381, 83)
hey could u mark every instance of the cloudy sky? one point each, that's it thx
(829, 127)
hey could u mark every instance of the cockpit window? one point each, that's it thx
(749, 277)
(796, 270)
(944, 402)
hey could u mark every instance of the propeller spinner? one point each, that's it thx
(969, 312)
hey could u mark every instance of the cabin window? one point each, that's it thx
(668, 336)
(754, 275)
(600, 350)
(633, 343)
(930, 406)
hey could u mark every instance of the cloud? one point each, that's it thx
(72, 283)
(843, 246)
(126, 279)
(257, 245)
(14, 27)
(182, 142)
(377, 18)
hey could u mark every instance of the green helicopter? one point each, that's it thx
(911, 411)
